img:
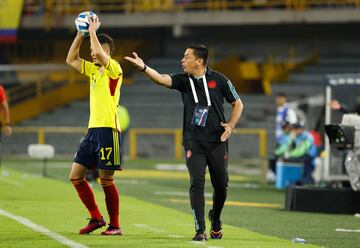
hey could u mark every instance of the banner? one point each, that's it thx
(10, 13)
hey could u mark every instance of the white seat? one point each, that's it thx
(41, 151)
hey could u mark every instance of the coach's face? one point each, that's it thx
(190, 63)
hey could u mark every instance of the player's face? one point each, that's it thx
(189, 62)
(106, 49)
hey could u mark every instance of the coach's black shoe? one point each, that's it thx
(216, 227)
(200, 236)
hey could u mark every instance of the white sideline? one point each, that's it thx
(10, 182)
(37, 228)
(346, 230)
(197, 243)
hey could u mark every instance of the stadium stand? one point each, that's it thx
(262, 51)
(311, 81)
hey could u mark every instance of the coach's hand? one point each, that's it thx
(136, 61)
(228, 131)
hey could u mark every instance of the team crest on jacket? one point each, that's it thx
(188, 154)
(212, 84)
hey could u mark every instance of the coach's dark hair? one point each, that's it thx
(106, 39)
(200, 52)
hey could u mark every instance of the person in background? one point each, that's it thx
(282, 146)
(336, 105)
(5, 125)
(124, 121)
(284, 113)
(301, 148)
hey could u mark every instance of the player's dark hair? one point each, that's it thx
(281, 94)
(200, 52)
(106, 39)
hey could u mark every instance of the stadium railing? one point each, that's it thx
(134, 6)
(136, 132)
(177, 134)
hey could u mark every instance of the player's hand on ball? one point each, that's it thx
(94, 24)
(82, 22)
(136, 61)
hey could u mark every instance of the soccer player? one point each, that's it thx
(4, 108)
(205, 130)
(101, 146)
(5, 111)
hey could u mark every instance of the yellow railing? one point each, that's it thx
(177, 134)
(42, 131)
(135, 132)
(133, 6)
(43, 87)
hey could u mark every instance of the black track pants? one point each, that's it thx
(198, 156)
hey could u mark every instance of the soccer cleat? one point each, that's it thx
(200, 236)
(93, 225)
(112, 231)
(216, 229)
(215, 234)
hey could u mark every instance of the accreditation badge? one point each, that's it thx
(200, 115)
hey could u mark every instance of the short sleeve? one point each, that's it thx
(291, 116)
(229, 91)
(2, 94)
(178, 81)
(114, 69)
(86, 67)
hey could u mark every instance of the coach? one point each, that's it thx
(205, 130)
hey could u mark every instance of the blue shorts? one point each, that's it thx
(100, 149)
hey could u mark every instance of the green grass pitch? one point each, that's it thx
(155, 211)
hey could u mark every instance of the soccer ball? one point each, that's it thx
(82, 21)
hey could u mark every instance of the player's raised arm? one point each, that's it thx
(96, 48)
(73, 59)
(162, 79)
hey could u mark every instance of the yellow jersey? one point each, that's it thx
(105, 83)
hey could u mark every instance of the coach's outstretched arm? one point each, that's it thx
(162, 79)
(73, 59)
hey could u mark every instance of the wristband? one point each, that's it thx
(143, 68)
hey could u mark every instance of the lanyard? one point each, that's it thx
(206, 90)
